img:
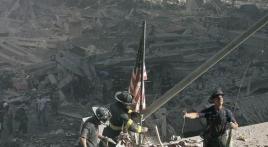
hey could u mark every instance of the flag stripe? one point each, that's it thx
(137, 80)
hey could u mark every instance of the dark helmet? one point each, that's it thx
(124, 97)
(215, 94)
(102, 114)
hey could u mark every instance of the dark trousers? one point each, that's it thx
(42, 118)
(10, 125)
(23, 127)
(216, 141)
(1, 126)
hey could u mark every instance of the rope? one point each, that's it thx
(236, 99)
(240, 86)
(182, 129)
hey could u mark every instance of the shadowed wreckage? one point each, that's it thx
(67, 64)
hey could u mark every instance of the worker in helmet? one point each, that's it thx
(89, 133)
(121, 117)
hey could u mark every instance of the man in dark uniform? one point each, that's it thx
(121, 117)
(218, 120)
(3, 110)
(166, 83)
(89, 132)
(10, 117)
(21, 118)
(55, 101)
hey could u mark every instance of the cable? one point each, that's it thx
(182, 129)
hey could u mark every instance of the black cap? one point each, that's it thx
(215, 94)
(123, 97)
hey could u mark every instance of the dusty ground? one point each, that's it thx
(248, 136)
(254, 135)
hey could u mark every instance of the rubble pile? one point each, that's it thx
(74, 54)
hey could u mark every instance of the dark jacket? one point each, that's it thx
(120, 121)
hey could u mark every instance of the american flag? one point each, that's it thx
(139, 75)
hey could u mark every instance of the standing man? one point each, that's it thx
(55, 102)
(10, 117)
(3, 110)
(89, 133)
(21, 118)
(166, 82)
(218, 119)
(121, 117)
(42, 110)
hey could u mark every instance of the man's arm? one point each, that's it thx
(86, 129)
(231, 119)
(193, 115)
(107, 139)
(83, 141)
(234, 125)
(132, 125)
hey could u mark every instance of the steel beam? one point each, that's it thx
(205, 67)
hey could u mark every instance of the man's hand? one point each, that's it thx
(192, 115)
(144, 129)
(233, 125)
(186, 115)
(83, 141)
(107, 139)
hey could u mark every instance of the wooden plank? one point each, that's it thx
(65, 81)
(52, 79)
(169, 36)
(69, 114)
(260, 84)
(28, 52)
(180, 44)
(70, 63)
(5, 46)
(11, 60)
(39, 66)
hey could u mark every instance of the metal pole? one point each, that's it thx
(142, 72)
(205, 67)
(158, 136)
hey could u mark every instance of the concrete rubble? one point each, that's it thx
(79, 53)
(252, 135)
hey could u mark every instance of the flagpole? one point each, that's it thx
(142, 74)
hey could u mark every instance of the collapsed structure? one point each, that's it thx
(86, 50)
